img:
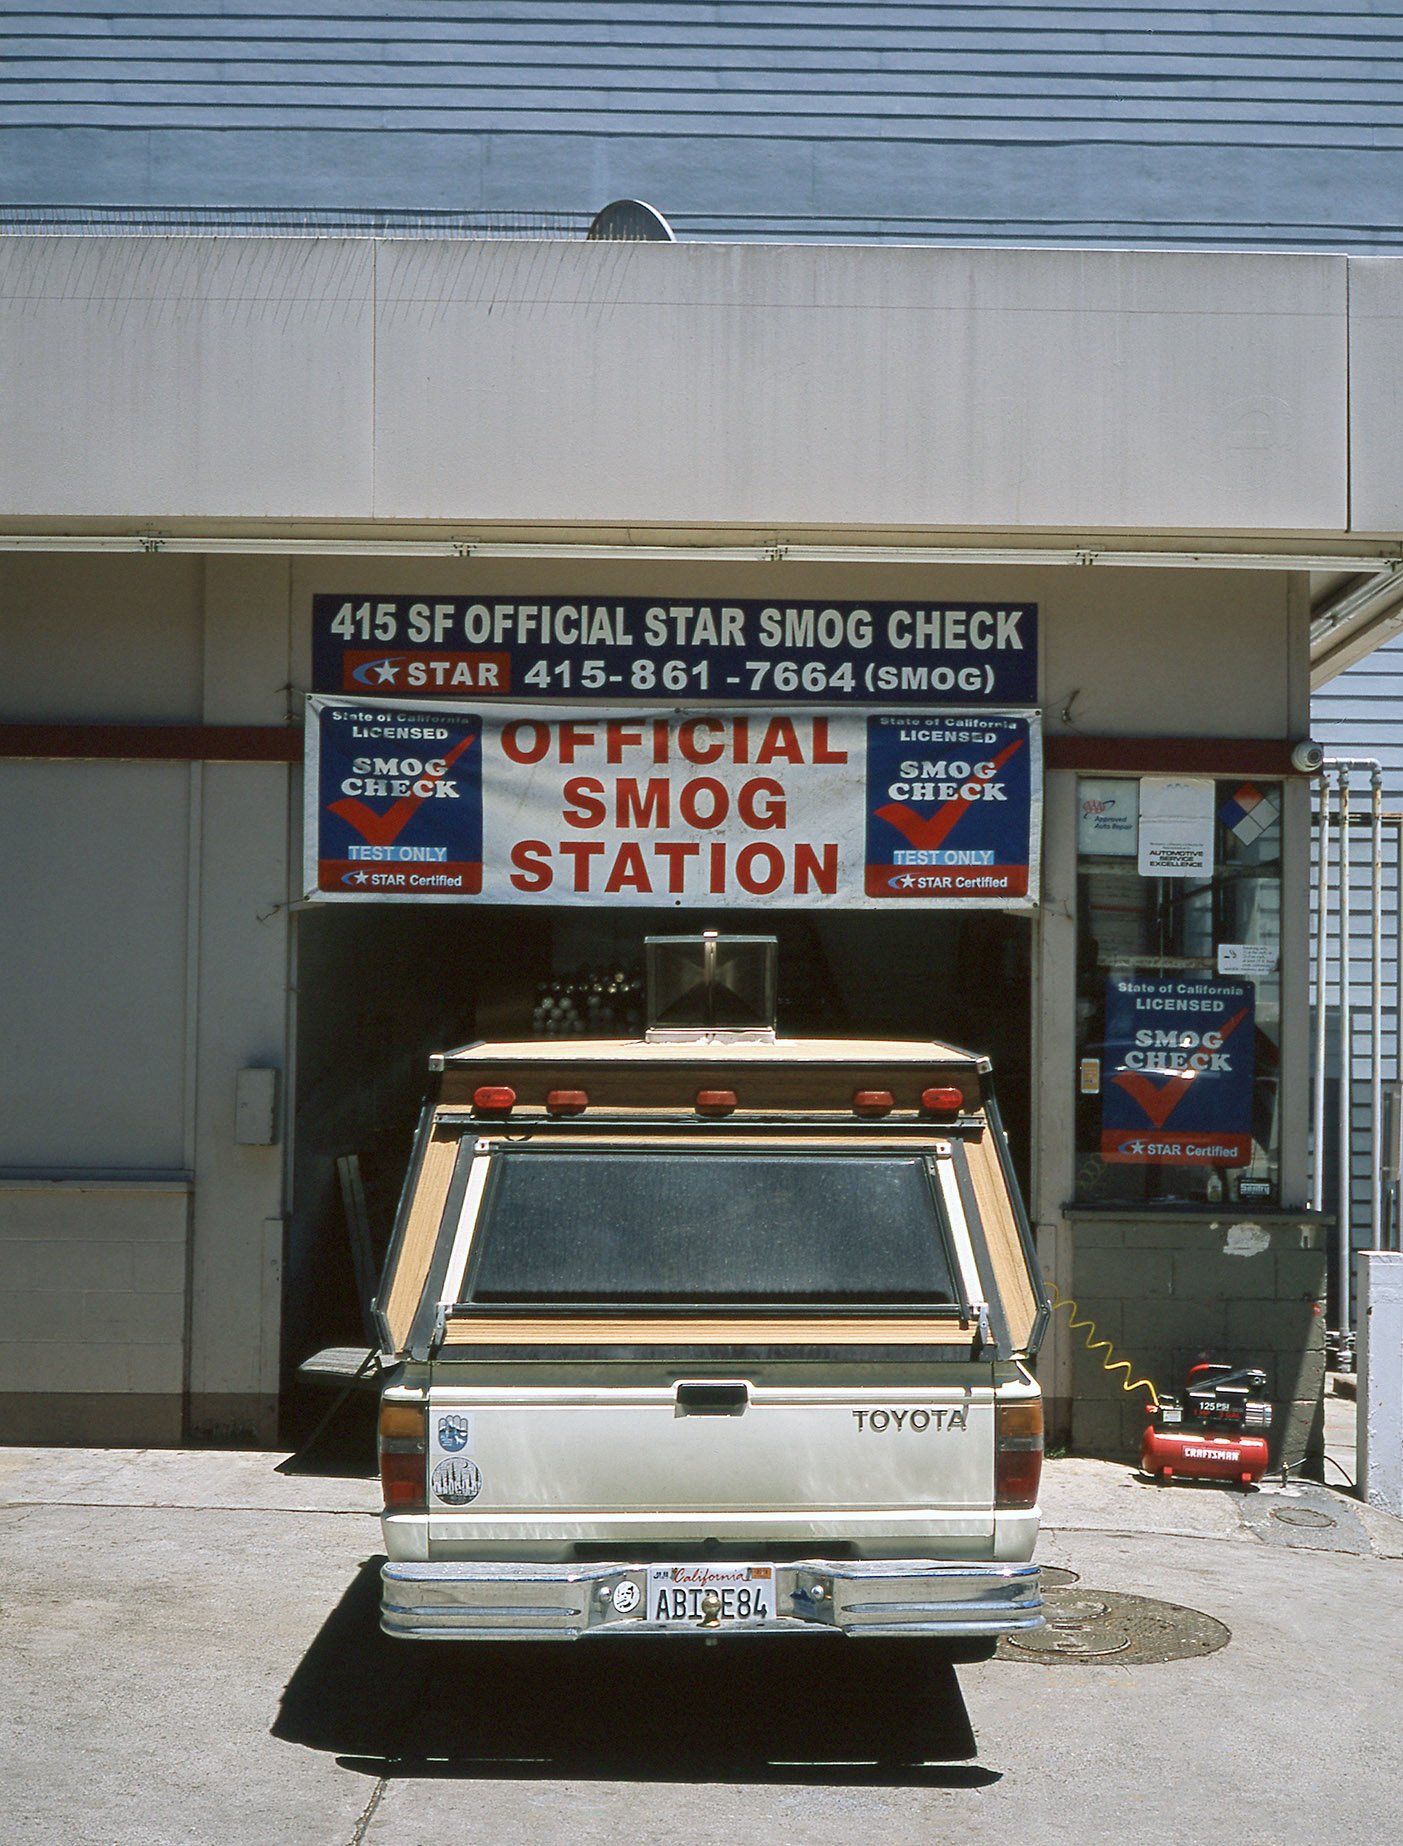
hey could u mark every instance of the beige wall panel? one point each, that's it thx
(95, 1287)
(161, 377)
(1376, 392)
(849, 386)
(246, 637)
(92, 1009)
(1168, 653)
(99, 638)
(242, 1011)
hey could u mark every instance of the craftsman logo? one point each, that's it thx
(917, 1421)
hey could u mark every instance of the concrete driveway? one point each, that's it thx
(190, 1654)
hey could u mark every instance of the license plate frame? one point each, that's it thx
(680, 1595)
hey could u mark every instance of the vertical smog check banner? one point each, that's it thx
(1180, 1052)
(515, 804)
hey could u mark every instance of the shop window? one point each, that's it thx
(1178, 991)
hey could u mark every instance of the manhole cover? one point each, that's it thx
(1055, 1578)
(1301, 1516)
(1072, 1644)
(1104, 1625)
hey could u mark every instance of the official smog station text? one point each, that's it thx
(808, 808)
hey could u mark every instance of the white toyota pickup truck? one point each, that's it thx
(711, 1332)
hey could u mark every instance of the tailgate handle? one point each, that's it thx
(712, 1397)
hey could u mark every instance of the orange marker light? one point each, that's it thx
(566, 1102)
(494, 1099)
(872, 1102)
(715, 1102)
(943, 1099)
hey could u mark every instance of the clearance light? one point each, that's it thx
(404, 1442)
(566, 1102)
(1018, 1453)
(943, 1099)
(494, 1099)
(872, 1102)
(715, 1102)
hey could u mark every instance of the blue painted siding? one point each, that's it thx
(1248, 125)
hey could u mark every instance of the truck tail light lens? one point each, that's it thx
(404, 1442)
(494, 1099)
(1018, 1452)
(716, 1102)
(872, 1102)
(566, 1102)
(943, 1099)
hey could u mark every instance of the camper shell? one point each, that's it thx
(714, 1332)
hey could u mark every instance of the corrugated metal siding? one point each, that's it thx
(1144, 124)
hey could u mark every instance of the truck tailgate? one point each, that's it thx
(540, 1462)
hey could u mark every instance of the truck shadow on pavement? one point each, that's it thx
(747, 1710)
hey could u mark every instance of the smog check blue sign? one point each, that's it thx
(592, 649)
(399, 802)
(1178, 1071)
(953, 806)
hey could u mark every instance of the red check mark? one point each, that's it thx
(927, 833)
(1160, 1100)
(384, 829)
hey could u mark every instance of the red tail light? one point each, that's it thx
(566, 1102)
(404, 1441)
(872, 1102)
(942, 1099)
(1018, 1452)
(716, 1102)
(494, 1099)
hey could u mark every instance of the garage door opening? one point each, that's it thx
(381, 987)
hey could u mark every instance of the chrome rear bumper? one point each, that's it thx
(540, 1602)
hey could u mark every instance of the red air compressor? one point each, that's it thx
(1203, 1436)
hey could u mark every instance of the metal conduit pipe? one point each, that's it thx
(1376, 1011)
(1322, 971)
(1340, 767)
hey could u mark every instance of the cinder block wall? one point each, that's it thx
(95, 1346)
(1247, 1290)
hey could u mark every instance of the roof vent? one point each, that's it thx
(710, 986)
(630, 221)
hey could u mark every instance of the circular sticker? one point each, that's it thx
(626, 1595)
(453, 1434)
(457, 1482)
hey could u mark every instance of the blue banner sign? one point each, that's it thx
(611, 648)
(396, 801)
(1179, 1063)
(952, 805)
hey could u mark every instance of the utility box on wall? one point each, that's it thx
(256, 1107)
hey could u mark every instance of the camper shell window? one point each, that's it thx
(773, 1228)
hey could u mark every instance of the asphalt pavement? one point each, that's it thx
(190, 1656)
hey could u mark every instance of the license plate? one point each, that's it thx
(711, 1595)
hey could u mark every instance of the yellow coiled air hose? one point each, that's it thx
(1059, 1300)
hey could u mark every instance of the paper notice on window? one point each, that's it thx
(1176, 827)
(1251, 958)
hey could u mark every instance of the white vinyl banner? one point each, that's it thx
(521, 804)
